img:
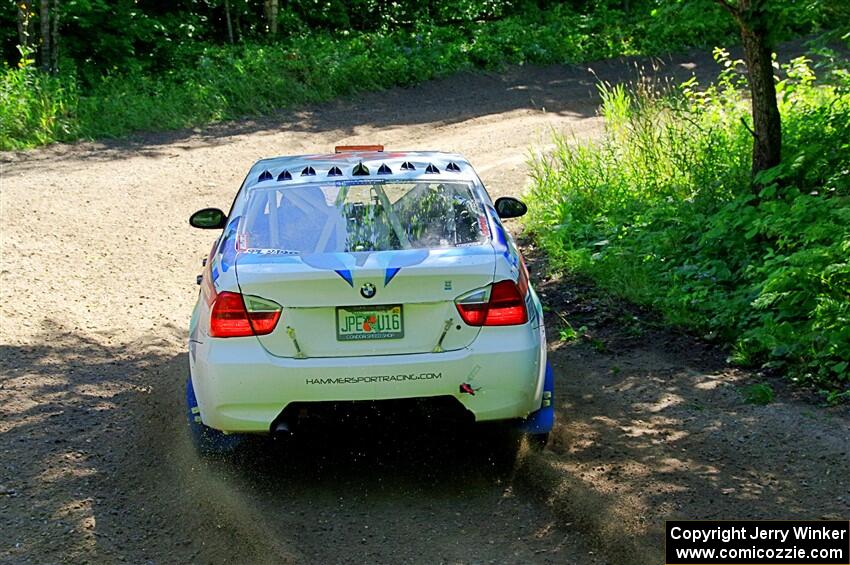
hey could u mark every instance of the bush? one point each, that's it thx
(35, 108)
(662, 212)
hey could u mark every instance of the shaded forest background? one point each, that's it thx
(100, 68)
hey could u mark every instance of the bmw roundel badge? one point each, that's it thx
(368, 290)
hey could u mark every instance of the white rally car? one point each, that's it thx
(363, 275)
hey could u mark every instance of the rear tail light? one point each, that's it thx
(235, 315)
(500, 304)
(263, 314)
(473, 306)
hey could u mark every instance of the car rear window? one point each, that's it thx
(349, 216)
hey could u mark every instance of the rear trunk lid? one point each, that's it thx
(367, 303)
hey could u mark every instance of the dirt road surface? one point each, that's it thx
(96, 288)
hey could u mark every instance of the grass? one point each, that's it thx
(662, 212)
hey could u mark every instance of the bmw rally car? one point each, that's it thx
(363, 275)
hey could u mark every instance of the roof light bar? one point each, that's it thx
(354, 148)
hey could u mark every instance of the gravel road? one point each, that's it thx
(97, 282)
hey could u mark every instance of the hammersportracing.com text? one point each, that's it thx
(374, 379)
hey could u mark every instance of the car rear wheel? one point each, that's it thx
(208, 442)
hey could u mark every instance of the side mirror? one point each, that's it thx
(208, 219)
(510, 207)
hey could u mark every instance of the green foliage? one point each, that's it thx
(567, 333)
(760, 394)
(661, 212)
(35, 108)
(213, 83)
(129, 66)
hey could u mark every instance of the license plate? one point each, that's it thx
(369, 322)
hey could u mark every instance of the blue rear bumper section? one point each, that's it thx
(541, 421)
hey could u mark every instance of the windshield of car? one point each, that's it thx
(350, 216)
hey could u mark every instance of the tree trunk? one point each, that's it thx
(54, 39)
(229, 22)
(44, 20)
(275, 10)
(753, 19)
(271, 9)
(767, 125)
(21, 21)
(237, 22)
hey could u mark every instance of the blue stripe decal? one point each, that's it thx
(330, 261)
(346, 274)
(346, 264)
(391, 272)
(228, 246)
(501, 241)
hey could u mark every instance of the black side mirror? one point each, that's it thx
(208, 219)
(510, 207)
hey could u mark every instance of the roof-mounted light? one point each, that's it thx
(356, 148)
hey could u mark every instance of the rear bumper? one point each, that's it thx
(240, 387)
